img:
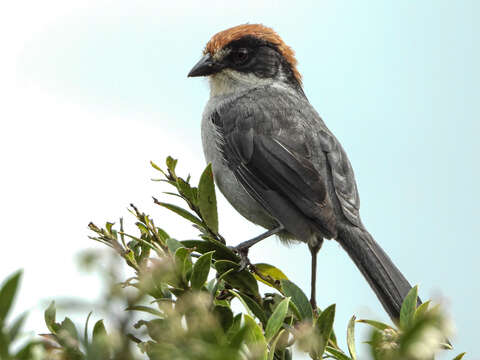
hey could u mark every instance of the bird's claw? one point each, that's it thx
(242, 253)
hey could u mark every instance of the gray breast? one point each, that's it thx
(233, 191)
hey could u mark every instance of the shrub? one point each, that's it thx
(178, 304)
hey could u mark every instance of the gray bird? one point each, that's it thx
(275, 160)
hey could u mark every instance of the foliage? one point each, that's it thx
(178, 304)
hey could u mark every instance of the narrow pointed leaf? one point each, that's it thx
(16, 327)
(339, 355)
(200, 271)
(376, 324)
(323, 327)
(85, 329)
(409, 305)
(234, 335)
(241, 280)
(294, 309)
(207, 201)
(171, 164)
(298, 298)
(186, 190)
(50, 315)
(146, 309)
(100, 340)
(7, 294)
(459, 356)
(276, 319)
(221, 251)
(351, 338)
(273, 346)
(183, 263)
(422, 309)
(4, 345)
(181, 211)
(252, 307)
(99, 330)
(254, 338)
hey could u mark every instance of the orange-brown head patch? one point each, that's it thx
(223, 38)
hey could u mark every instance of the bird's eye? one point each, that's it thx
(240, 56)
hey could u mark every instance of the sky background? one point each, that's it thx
(91, 91)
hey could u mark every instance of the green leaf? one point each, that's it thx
(143, 229)
(146, 309)
(100, 346)
(409, 305)
(233, 335)
(270, 272)
(7, 294)
(273, 346)
(186, 190)
(221, 251)
(26, 351)
(99, 330)
(16, 326)
(422, 309)
(224, 315)
(210, 286)
(129, 256)
(162, 234)
(276, 320)
(173, 245)
(69, 327)
(376, 324)
(50, 314)
(337, 353)
(252, 306)
(351, 338)
(156, 167)
(4, 345)
(254, 338)
(241, 280)
(298, 298)
(171, 165)
(207, 201)
(237, 338)
(200, 271)
(459, 356)
(183, 263)
(182, 212)
(85, 329)
(323, 327)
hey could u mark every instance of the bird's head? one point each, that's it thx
(247, 55)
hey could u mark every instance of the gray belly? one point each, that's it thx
(233, 191)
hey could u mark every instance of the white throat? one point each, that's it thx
(228, 82)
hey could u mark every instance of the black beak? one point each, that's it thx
(206, 66)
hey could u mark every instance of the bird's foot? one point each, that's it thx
(242, 253)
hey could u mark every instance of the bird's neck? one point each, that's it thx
(230, 83)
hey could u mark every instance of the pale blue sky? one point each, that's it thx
(94, 86)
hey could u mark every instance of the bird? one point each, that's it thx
(277, 163)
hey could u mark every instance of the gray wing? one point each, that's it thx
(265, 145)
(343, 178)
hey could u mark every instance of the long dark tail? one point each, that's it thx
(384, 278)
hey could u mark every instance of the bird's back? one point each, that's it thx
(286, 117)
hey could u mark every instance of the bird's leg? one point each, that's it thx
(314, 251)
(242, 248)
